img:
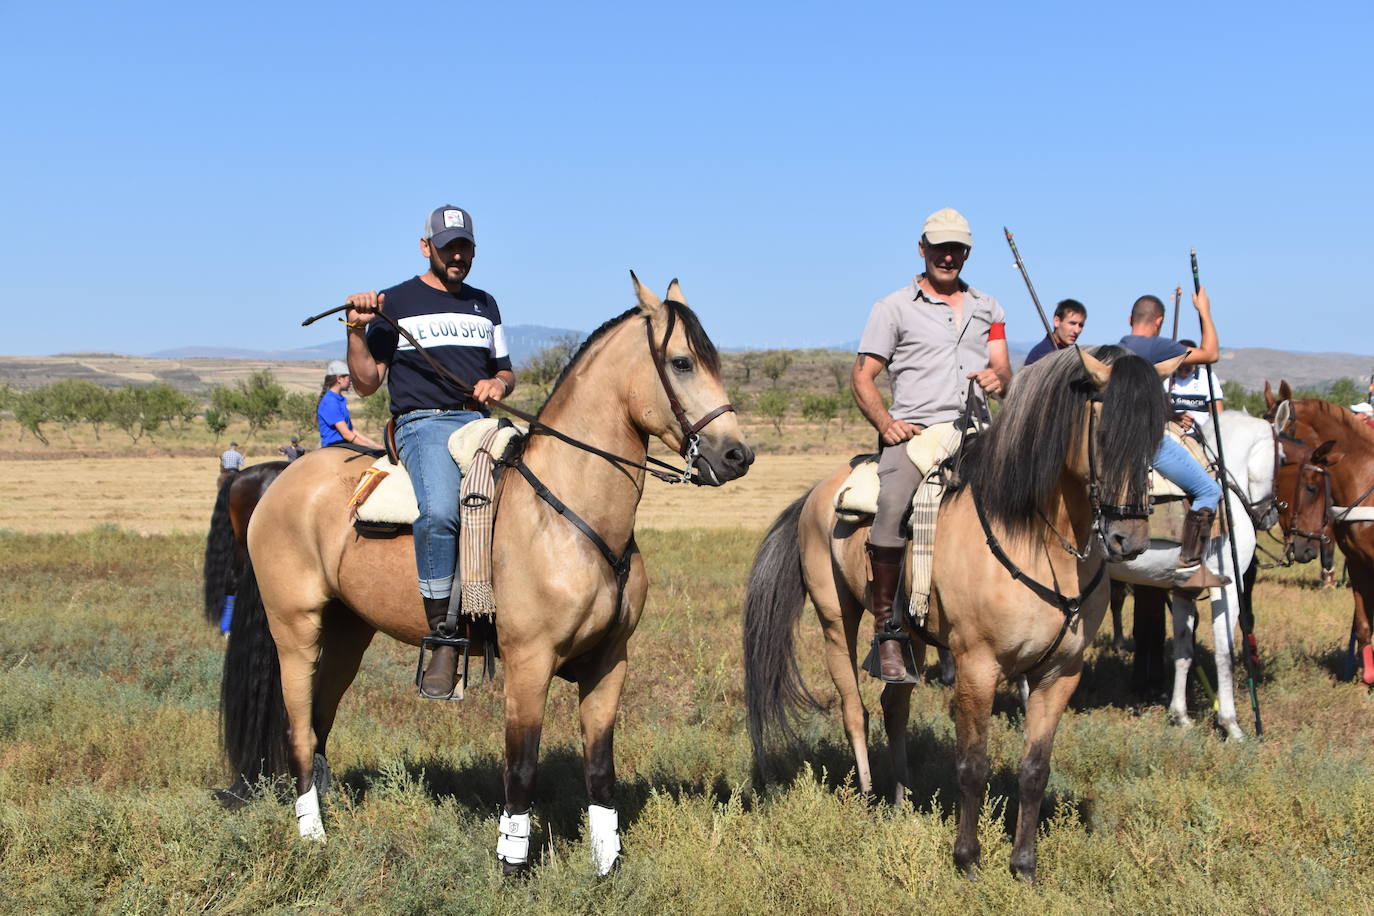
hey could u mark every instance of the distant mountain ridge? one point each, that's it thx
(524, 341)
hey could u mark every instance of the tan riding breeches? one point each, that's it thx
(900, 469)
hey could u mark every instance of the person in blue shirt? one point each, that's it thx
(332, 410)
(1069, 319)
(1173, 460)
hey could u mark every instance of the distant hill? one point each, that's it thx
(524, 341)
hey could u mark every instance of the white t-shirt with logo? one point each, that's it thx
(1190, 396)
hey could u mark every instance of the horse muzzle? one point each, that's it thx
(719, 463)
(1126, 539)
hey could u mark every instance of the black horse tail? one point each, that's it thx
(219, 556)
(773, 689)
(250, 701)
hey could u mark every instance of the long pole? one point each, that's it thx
(1178, 298)
(1021, 266)
(1244, 615)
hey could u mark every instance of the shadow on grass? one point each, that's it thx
(1336, 661)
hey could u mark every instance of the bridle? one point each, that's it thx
(1294, 532)
(691, 432)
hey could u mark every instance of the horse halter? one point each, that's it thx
(1294, 532)
(691, 432)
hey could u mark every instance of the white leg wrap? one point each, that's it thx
(605, 830)
(514, 844)
(308, 816)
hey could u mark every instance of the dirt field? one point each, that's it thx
(165, 495)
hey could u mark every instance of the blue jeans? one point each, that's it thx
(1173, 461)
(422, 441)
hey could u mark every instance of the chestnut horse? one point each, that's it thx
(1072, 434)
(326, 589)
(1349, 468)
(226, 547)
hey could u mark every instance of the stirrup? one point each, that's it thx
(431, 642)
(874, 668)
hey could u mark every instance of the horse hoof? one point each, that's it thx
(515, 870)
(1230, 731)
(1180, 720)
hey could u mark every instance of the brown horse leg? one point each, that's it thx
(896, 703)
(1047, 702)
(599, 686)
(527, 691)
(973, 693)
(840, 616)
(1362, 587)
(343, 641)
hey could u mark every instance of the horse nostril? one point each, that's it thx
(739, 456)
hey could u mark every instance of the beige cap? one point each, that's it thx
(947, 225)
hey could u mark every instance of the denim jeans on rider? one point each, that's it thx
(422, 441)
(1173, 461)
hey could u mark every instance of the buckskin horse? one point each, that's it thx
(1018, 588)
(226, 547)
(1349, 470)
(569, 595)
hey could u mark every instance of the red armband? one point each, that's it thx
(997, 331)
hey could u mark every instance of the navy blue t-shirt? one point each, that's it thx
(1155, 349)
(462, 332)
(1039, 351)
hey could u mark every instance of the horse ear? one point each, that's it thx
(1169, 366)
(1285, 393)
(1098, 371)
(1269, 399)
(649, 304)
(675, 292)
(1322, 454)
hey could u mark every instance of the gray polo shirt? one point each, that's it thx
(928, 353)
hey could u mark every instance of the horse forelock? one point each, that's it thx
(1134, 412)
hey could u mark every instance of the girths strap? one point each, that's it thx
(1068, 606)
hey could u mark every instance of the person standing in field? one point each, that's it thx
(1069, 318)
(1173, 460)
(932, 336)
(292, 451)
(331, 412)
(230, 463)
(459, 327)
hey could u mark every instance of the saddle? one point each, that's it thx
(384, 498)
(1169, 504)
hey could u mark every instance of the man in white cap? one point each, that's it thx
(932, 336)
(1364, 411)
(459, 327)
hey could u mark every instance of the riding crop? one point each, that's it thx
(1178, 297)
(1021, 266)
(1245, 615)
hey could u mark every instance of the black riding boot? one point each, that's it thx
(1197, 530)
(887, 568)
(441, 674)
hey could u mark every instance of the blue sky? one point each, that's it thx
(181, 174)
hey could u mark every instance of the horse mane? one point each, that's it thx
(1016, 466)
(1337, 414)
(697, 341)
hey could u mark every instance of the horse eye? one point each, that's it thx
(681, 364)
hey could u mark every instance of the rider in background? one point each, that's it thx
(1173, 460)
(331, 411)
(230, 463)
(932, 336)
(459, 326)
(1189, 394)
(1069, 318)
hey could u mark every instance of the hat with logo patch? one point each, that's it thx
(947, 226)
(447, 223)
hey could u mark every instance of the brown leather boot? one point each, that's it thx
(1197, 531)
(887, 567)
(441, 674)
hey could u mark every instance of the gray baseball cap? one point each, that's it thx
(446, 223)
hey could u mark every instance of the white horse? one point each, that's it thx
(1249, 447)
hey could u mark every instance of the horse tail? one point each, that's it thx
(773, 689)
(219, 556)
(252, 713)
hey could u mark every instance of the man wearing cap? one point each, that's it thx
(292, 451)
(459, 326)
(932, 336)
(1172, 459)
(1365, 412)
(331, 413)
(230, 463)
(1069, 319)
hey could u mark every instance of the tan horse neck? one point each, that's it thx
(595, 404)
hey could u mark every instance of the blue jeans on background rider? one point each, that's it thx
(422, 441)
(1176, 464)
